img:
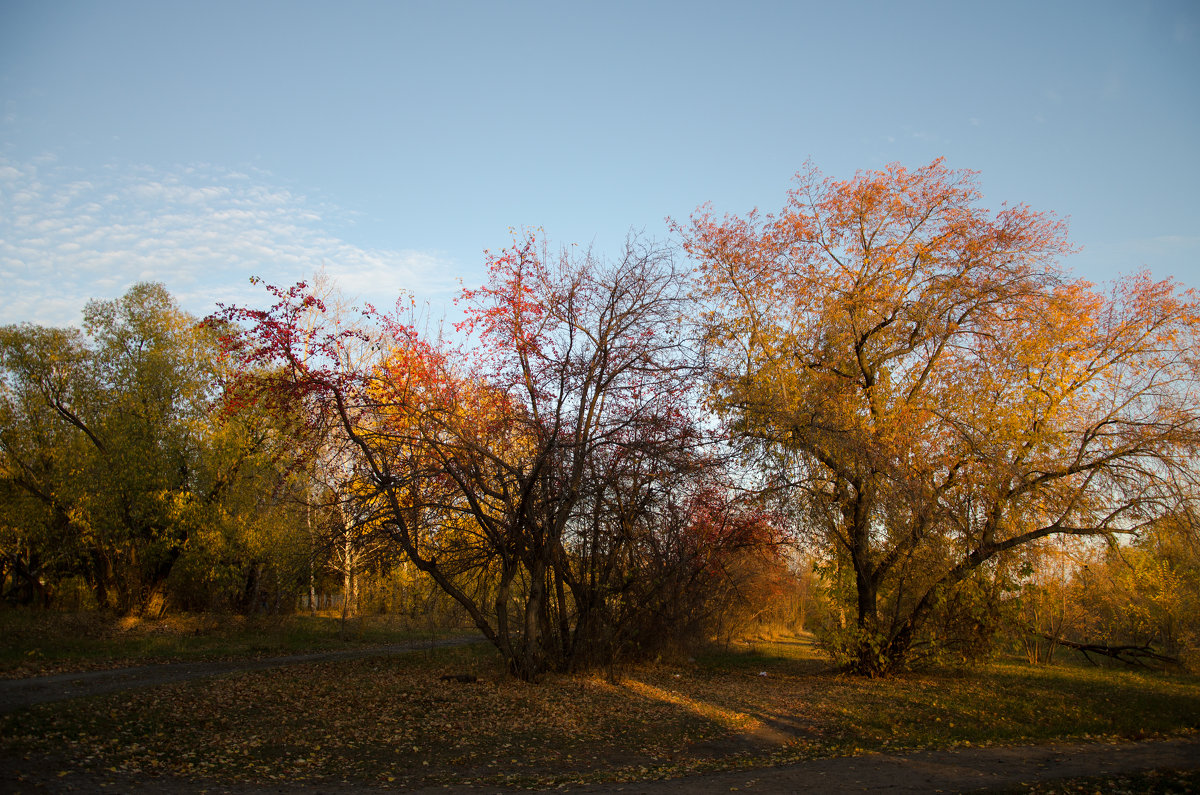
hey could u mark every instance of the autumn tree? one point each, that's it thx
(528, 475)
(933, 392)
(338, 524)
(42, 460)
(1136, 603)
(112, 465)
(242, 549)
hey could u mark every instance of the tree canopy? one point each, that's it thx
(932, 391)
(554, 479)
(114, 461)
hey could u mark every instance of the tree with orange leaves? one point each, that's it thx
(549, 478)
(934, 392)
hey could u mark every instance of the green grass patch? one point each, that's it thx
(791, 655)
(40, 642)
(1011, 704)
(1002, 702)
(391, 721)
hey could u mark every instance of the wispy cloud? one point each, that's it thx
(67, 236)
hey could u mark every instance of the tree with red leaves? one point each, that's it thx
(529, 475)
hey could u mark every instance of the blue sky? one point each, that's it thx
(198, 144)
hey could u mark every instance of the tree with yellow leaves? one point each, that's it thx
(933, 392)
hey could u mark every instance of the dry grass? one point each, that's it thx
(40, 642)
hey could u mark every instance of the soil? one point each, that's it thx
(956, 770)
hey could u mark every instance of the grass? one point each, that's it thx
(1155, 781)
(37, 642)
(392, 722)
(1003, 702)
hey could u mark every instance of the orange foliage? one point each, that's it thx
(941, 390)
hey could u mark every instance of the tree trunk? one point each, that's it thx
(532, 662)
(349, 586)
(250, 590)
(312, 561)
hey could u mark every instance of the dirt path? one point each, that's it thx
(21, 693)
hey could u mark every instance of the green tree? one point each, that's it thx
(113, 458)
(44, 459)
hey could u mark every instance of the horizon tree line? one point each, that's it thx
(903, 384)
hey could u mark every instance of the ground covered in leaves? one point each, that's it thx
(393, 722)
(43, 642)
(1155, 781)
